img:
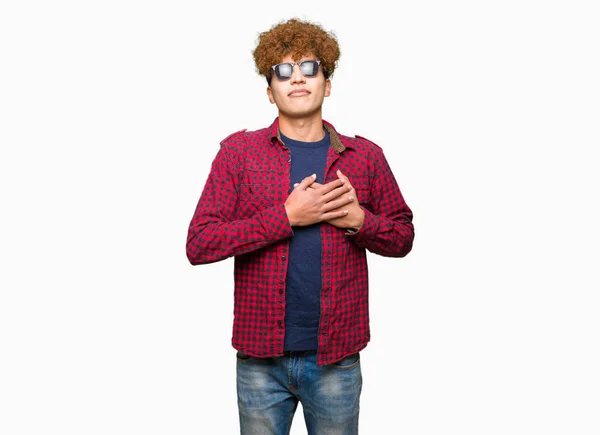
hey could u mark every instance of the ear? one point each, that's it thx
(270, 94)
(327, 87)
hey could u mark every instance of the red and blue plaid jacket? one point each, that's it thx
(241, 213)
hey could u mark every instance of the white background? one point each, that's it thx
(111, 113)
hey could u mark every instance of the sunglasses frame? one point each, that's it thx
(274, 68)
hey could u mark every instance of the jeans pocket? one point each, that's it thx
(242, 356)
(348, 362)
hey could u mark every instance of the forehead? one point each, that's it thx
(298, 57)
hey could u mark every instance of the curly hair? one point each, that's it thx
(296, 38)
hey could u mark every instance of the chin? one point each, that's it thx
(300, 113)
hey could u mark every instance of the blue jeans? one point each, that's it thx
(269, 390)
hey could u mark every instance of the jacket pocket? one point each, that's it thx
(254, 197)
(362, 185)
(256, 192)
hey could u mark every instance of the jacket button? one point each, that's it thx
(283, 258)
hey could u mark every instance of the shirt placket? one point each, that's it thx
(284, 159)
(327, 259)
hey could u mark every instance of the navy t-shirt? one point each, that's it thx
(304, 278)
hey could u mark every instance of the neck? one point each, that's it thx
(302, 129)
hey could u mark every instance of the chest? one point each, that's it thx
(267, 175)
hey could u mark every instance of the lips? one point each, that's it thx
(298, 92)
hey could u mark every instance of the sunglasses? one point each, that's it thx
(309, 68)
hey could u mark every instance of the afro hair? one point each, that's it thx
(296, 38)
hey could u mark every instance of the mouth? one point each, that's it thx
(298, 93)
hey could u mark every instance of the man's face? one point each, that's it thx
(299, 96)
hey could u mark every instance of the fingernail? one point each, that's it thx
(351, 198)
(314, 175)
(345, 211)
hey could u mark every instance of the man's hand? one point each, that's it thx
(312, 202)
(356, 216)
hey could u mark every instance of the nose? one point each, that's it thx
(297, 76)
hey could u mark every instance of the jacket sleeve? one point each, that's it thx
(214, 234)
(387, 229)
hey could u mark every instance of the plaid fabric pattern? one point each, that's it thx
(241, 213)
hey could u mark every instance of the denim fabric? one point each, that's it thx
(269, 390)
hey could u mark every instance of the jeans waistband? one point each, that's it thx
(298, 352)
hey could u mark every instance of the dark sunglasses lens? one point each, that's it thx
(283, 70)
(309, 68)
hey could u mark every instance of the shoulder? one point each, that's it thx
(234, 138)
(363, 152)
(246, 138)
(238, 146)
(366, 142)
(360, 143)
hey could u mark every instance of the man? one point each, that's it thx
(298, 204)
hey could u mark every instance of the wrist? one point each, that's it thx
(290, 217)
(353, 229)
(360, 222)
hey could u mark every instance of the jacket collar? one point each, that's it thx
(336, 142)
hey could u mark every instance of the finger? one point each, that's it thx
(328, 187)
(342, 176)
(338, 193)
(338, 203)
(334, 215)
(307, 181)
(315, 185)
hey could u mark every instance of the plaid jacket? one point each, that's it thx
(241, 213)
